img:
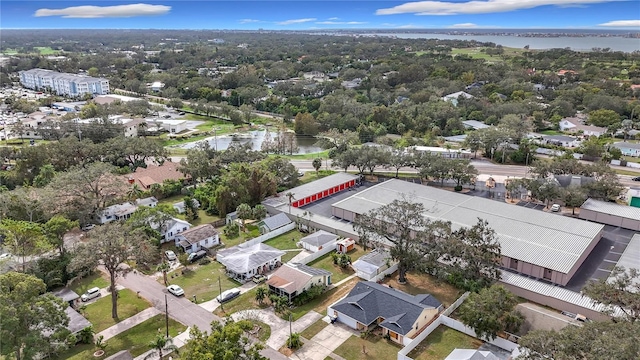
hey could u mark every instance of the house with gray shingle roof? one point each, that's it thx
(399, 314)
(199, 237)
(274, 222)
(370, 265)
(244, 261)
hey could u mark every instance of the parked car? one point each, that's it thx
(90, 294)
(88, 227)
(171, 256)
(197, 255)
(228, 295)
(555, 207)
(175, 290)
(637, 178)
(4, 256)
(258, 279)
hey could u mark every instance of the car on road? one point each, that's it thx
(171, 256)
(258, 279)
(555, 207)
(181, 113)
(195, 256)
(175, 290)
(637, 178)
(228, 295)
(90, 294)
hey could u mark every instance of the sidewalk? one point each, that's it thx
(211, 305)
(179, 341)
(128, 323)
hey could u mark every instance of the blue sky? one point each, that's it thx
(302, 15)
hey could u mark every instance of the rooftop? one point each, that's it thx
(475, 124)
(66, 294)
(243, 258)
(613, 209)
(541, 238)
(630, 258)
(291, 277)
(317, 186)
(319, 238)
(276, 221)
(627, 145)
(198, 233)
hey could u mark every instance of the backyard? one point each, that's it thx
(287, 241)
(441, 342)
(425, 284)
(201, 281)
(135, 340)
(326, 262)
(203, 217)
(375, 347)
(99, 312)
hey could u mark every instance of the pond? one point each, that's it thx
(306, 144)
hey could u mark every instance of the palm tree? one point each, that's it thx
(291, 197)
(164, 267)
(317, 164)
(261, 294)
(160, 344)
(134, 192)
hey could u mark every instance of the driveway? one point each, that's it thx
(324, 343)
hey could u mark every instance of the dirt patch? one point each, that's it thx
(335, 294)
(286, 351)
(426, 284)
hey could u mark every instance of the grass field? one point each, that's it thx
(202, 281)
(441, 342)
(45, 50)
(376, 348)
(425, 284)
(99, 312)
(203, 217)
(286, 241)
(314, 329)
(97, 279)
(135, 340)
(324, 155)
(326, 262)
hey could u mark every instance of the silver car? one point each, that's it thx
(175, 290)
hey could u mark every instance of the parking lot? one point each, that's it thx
(531, 205)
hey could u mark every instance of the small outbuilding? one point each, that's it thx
(345, 245)
(370, 265)
(318, 240)
(273, 223)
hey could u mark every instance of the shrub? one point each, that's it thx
(313, 292)
(294, 341)
(205, 261)
(458, 188)
(232, 230)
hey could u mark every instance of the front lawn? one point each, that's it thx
(202, 281)
(314, 329)
(327, 298)
(286, 241)
(375, 347)
(135, 340)
(97, 279)
(326, 262)
(442, 341)
(425, 284)
(99, 312)
(246, 301)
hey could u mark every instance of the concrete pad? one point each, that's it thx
(324, 343)
(213, 304)
(540, 318)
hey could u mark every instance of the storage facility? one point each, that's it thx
(539, 244)
(314, 191)
(626, 217)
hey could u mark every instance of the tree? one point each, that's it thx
(623, 293)
(46, 173)
(190, 208)
(317, 164)
(261, 294)
(574, 196)
(30, 323)
(244, 213)
(113, 245)
(23, 238)
(176, 103)
(164, 268)
(56, 228)
(159, 346)
(399, 159)
(294, 341)
(474, 142)
(490, 311)
(603, 117)
(305, 124)
(462, 172)
(224, 342)
(413, 237)
(259, 212)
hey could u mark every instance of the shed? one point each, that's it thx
(273, 223)
(318, 240)
(372, 264)
(345, 245)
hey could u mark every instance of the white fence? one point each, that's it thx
(270, 235)
(381, 276)
(318, 254)
(448, 311)
(629, 164)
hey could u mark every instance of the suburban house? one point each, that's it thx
(197, 238)
(291, 280)
(628, 149)
(471, 354)
(116, 212)
(561, 140)
(170, 229)
(130, 126)
(77, 322)
(156, 86)
(273, 223)
(443, 152)
(474, 124)
(154, 174)
(318, 240)
(453, 98)
(150, 201)
(370, 265)
(345, 245)
(172, 126)
(399, 314)
(575, 124)
(244, 261)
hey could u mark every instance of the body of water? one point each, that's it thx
(306, 144)
(586, 43)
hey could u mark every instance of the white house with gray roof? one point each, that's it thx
(318, 240)
(244, 261)
(370, 265)
(197, 238)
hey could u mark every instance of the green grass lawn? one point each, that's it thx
(290, 255)
(631, 159)
(203, 217)
(310, 156)
(321, 303)
(250, 233)
(326, 262)
(202, 281)
(97, 279)
(246, 301)
(99, 312)
(376, 348)
(441, 342)
(135, 340)
(286, 241)
(314, 329)
(551, 132)
(46, 50)
(310, 176)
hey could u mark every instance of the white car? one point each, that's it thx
(5, 256)
(228, 295)
(90, 294)
(555, 207)
(175, 290)
(171, 256)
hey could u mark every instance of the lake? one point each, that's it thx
(306, 144)
(586, 43)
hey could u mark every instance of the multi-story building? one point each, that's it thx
(64, 84)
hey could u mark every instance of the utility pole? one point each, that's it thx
(290, 330)
(220, 286)
(166, 315)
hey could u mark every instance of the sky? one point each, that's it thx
(327, 14)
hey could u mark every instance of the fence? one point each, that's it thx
(448, 311)
(318, 254)
(628, 164)
(270, 235)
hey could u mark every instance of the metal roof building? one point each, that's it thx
(630, 259)
(627, 217)
(314, 191)
(536, 243)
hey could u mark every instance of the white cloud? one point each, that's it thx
(90, 11)
(247, 21)
(437, 7)
(409, 26)
(341, 22)
(622, 23)
(333, 19)
(296, 21)
(464, 26)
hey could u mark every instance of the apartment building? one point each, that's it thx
(63, 84)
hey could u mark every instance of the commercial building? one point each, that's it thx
(535, 243)
(626, 217)
(314, 191)
(63, 84)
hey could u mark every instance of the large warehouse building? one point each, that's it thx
(626, 217)
(316, 190)
(534, 243)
